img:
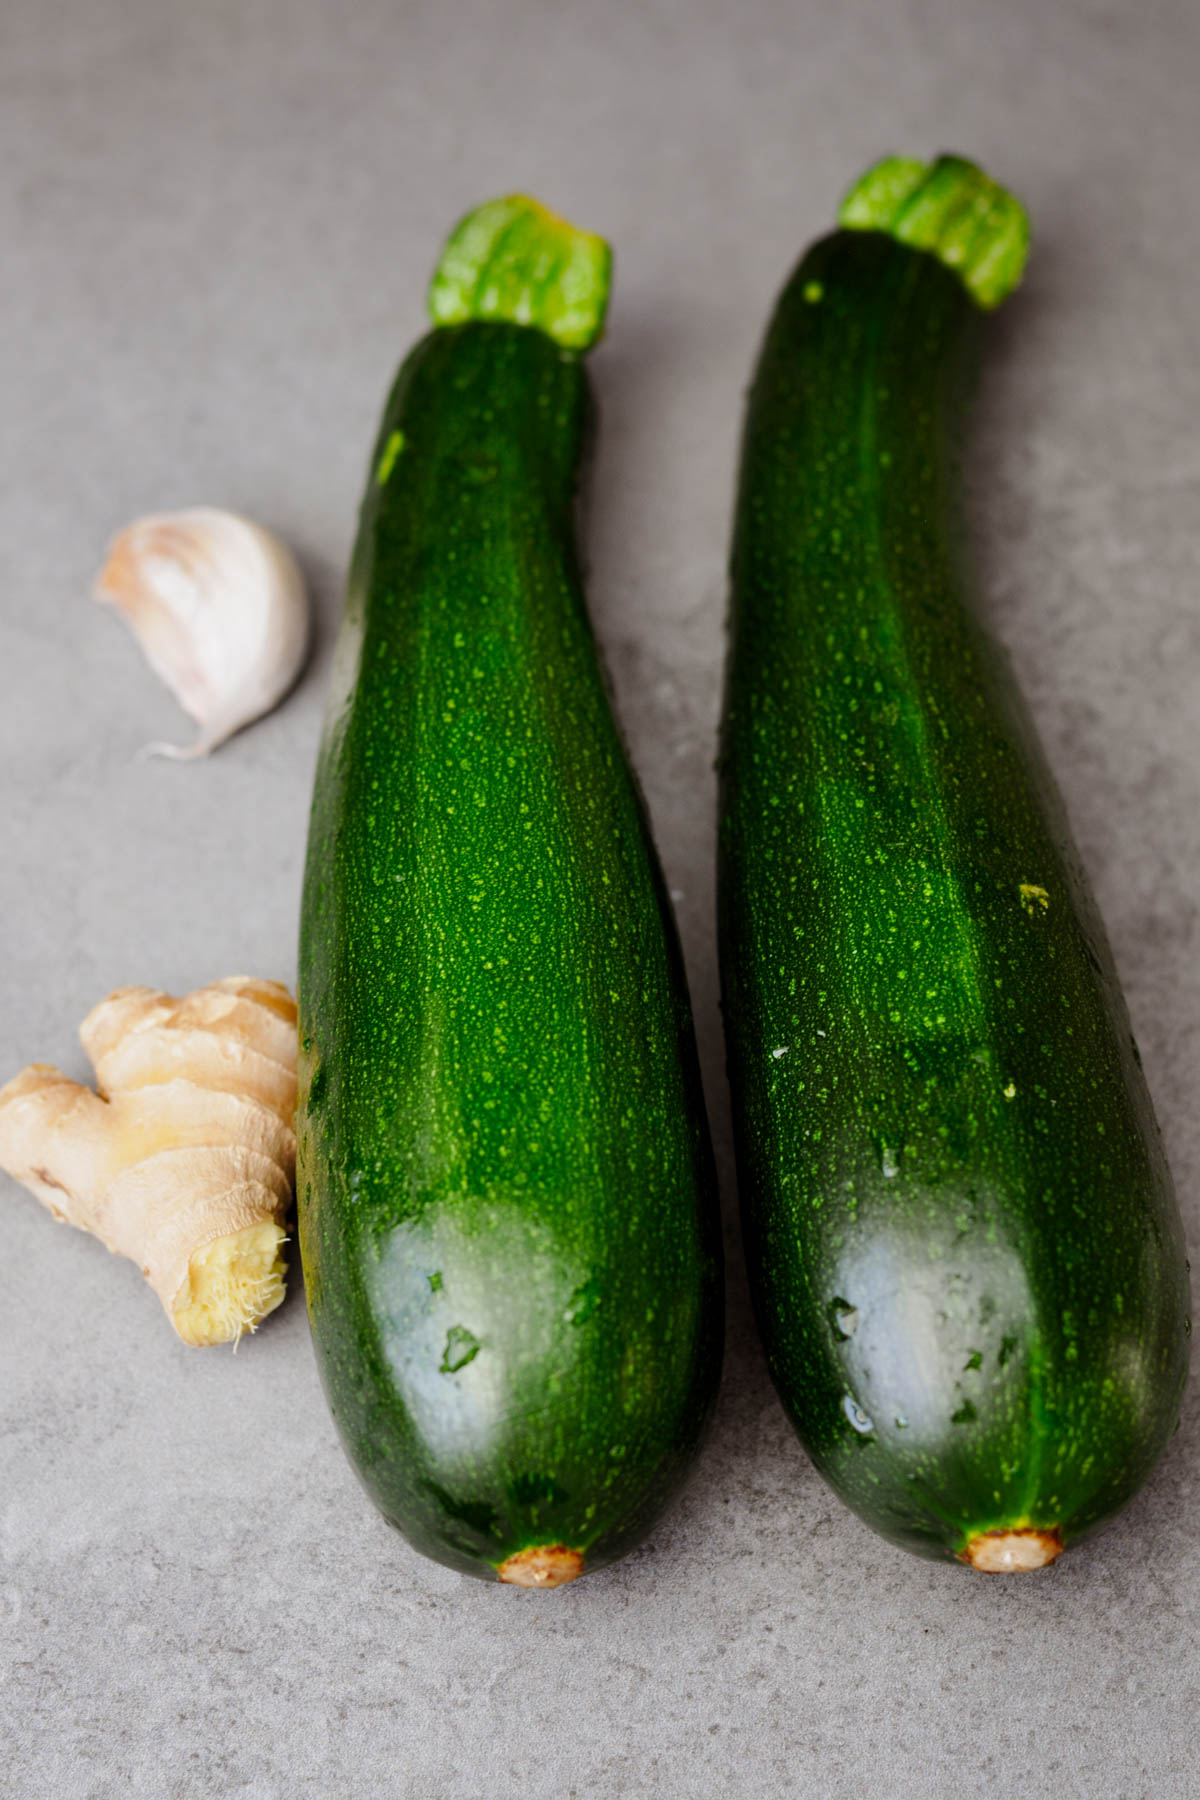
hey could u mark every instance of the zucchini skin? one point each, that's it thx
(507, 1207)
(964, 1251)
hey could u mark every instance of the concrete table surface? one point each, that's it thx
(217, 224)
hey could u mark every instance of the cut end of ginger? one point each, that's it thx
(231, 1285)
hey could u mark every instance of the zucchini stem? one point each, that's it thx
(953, 210)
(1012, 1552)
(514, 260)
(541, 1566)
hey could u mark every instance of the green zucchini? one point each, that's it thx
(964, 1250)
(507, 1208)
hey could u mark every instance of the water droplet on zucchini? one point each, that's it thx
(583, 1302)
(843, 1316)
(462, 1346)
(857, 1417)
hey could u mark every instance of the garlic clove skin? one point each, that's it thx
(220, 610)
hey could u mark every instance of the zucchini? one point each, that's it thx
(964, 1250)
(507, 1208)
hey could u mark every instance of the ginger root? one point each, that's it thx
(184, 1160)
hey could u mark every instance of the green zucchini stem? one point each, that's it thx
(514, 260)
(952, 209)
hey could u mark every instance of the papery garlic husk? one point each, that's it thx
(220, 610)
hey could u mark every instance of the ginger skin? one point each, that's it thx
(184, 1158)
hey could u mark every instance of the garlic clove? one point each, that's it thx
(220, 610)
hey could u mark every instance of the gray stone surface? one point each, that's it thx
(217, 223)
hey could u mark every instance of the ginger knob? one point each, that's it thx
(184, 1157)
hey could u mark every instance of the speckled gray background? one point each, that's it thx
(217, 221)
